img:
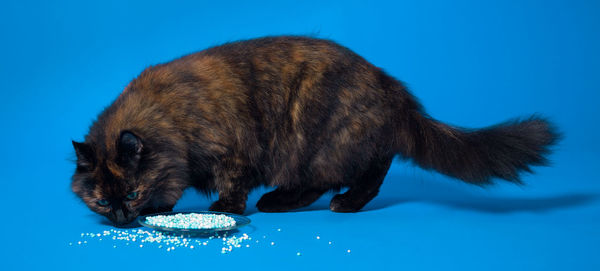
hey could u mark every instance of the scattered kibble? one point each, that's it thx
(170, 241)
(191, 221)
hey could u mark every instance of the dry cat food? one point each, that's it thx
(191, 221)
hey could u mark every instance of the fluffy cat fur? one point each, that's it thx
(301, 114)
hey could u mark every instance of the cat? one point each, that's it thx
(301, 114)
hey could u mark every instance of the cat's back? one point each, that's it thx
(265, 74)
(278, 60)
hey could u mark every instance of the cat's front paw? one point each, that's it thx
(228, 207)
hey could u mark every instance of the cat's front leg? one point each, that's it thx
(231, 199)
(229, 205)
(233, 186)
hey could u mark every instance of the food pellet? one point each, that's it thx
(191, 221)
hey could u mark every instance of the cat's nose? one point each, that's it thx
(120, 218)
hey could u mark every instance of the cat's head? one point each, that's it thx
(123, 180)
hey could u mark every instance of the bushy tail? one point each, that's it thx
(477, 156)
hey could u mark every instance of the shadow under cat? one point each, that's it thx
(455, 196)
(444, 193)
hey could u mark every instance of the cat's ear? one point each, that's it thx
(130, 149)
(85, 155)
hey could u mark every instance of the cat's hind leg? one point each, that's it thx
(281, 200)
(363, 189)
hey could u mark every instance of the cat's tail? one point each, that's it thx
(476, 156)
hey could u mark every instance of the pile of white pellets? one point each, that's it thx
(191, 221)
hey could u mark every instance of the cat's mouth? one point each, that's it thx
(128, 222)
(125, 225)
(128, 225)
(122, 219)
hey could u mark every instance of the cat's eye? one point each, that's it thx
(132, 195)
(103, 202)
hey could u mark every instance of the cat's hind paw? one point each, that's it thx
(341, 203)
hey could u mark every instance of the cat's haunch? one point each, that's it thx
(301, 114)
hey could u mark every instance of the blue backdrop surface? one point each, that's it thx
(471, 63)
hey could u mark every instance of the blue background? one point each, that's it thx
(471, 63)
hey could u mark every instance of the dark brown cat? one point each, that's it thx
(301, 114)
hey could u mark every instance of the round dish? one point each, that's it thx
(240, 221)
